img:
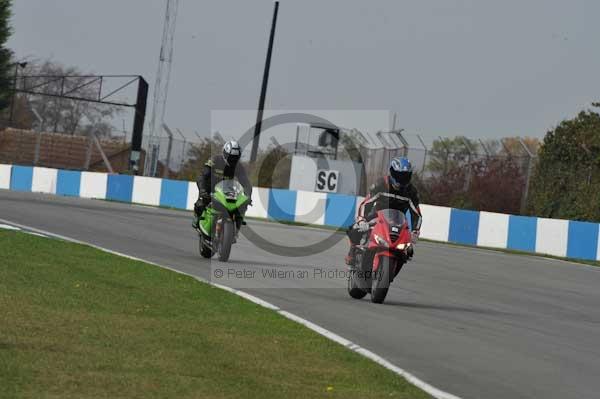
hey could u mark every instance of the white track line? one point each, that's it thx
(9, 227)
(430, 389)
(13, 228)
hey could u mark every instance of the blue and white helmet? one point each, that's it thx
(232, 152)
(401, 171)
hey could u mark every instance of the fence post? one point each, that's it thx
(487, 153)
(469, 167)
(88, 154)
(442, 142)
(182, 150)
(169, 148)
(102, 153)
(424, 156)
(38, 140)
(528, 176)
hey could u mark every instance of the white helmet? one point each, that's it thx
(232, 152)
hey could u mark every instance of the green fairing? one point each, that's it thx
(230, 206)
(206, 220)
(209, 213)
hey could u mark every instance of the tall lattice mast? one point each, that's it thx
(161, 87)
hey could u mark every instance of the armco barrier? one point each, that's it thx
(544, 236)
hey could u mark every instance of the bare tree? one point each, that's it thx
(61, 114)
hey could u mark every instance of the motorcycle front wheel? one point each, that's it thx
(226, 240)
(381, 280)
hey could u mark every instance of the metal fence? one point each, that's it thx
(170, 151)
(462, 172)
(64, 151)
(456, 171)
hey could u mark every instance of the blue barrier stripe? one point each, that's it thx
(583, 240)
(340, 210)
(522, 233)
(119, 188)
(464, 226)
(68, 182)
(282, 205)
(174, 193)
(21, 178)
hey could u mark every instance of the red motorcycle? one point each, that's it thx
(380, 255)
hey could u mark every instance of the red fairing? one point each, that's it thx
(382, 230)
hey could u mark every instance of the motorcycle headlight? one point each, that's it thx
(401, 246)
(381, 241)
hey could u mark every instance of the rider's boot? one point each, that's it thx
(198, 210)
(350, 258)
(409, 253)
(196, 222)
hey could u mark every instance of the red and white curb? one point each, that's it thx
(430, 389)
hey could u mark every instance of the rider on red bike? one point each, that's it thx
(393, 191)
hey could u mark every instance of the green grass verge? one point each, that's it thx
(77, 322)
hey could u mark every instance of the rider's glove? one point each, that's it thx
(414, 236)
(362, 226)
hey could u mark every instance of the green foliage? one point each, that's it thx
(6, 79)
(566, 182)
(198, 155)
(272, 168)
(350, 144)
(450, 153)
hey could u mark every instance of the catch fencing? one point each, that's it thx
(492, 174)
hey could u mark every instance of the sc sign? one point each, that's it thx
(327, 181)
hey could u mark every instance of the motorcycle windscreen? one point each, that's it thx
(230, 188)
(393, 216)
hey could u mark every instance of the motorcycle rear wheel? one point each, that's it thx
(205, 250)
(353, 287)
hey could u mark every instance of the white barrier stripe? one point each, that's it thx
(431, 390)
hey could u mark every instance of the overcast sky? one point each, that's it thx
(478, 68)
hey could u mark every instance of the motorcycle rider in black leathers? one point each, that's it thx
(393, 191)
(216, 169)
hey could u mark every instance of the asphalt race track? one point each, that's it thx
(472, 322)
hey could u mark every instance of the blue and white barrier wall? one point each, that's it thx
(564, 238)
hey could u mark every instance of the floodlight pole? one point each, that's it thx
(263, 92)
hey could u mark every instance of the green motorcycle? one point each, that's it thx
(222, 219)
